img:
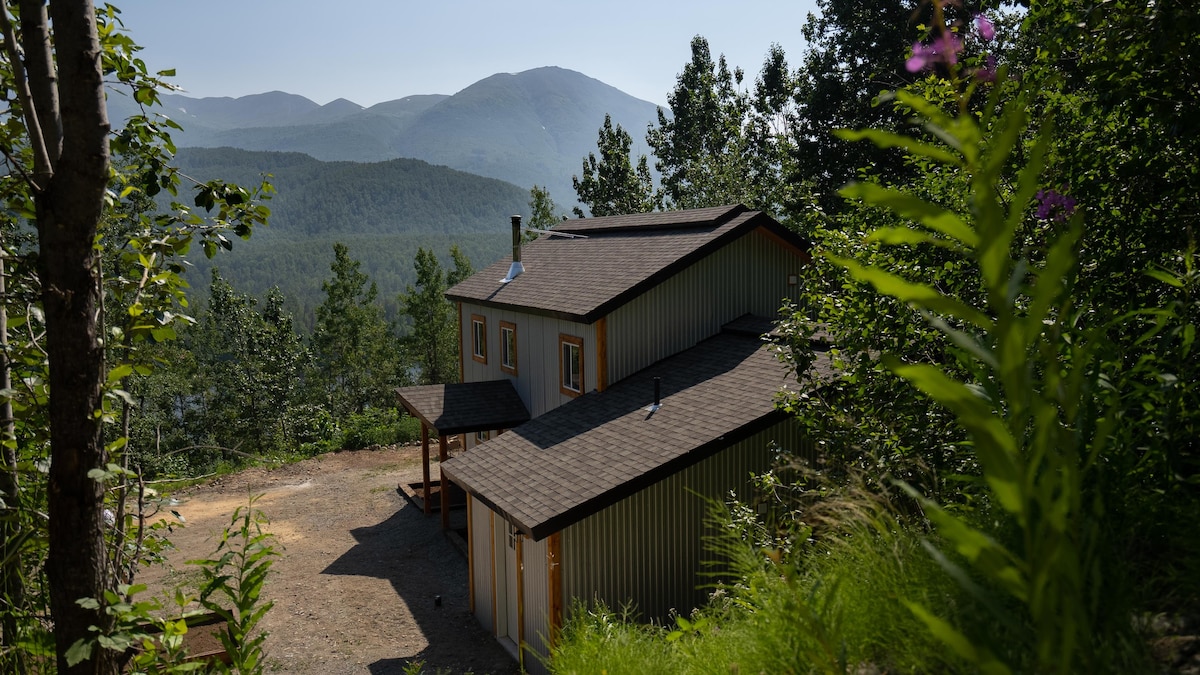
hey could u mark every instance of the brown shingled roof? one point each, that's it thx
(582, 278)
(464, 407)
(604, 446)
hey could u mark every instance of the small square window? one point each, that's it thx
(479, 338)
(482, 436)
(508, 347)
(570, 364)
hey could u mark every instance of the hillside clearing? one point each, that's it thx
(360, 567)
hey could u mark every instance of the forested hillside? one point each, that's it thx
(383, 211)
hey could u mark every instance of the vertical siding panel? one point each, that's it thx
(535, 591)
(748, 275)
(482, 568)
(648, 549)
(537, 376)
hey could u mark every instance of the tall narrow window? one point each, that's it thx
(570, 364)
(478, 338)
(508, 347)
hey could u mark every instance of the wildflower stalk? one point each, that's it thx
(1030, 411)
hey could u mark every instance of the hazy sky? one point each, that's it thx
(370, 51)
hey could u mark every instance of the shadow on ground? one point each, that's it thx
(429, 574)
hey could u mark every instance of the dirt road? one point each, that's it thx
(355, 588)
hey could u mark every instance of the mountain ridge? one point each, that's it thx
(526, 128)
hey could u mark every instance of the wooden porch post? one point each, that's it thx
(425, 464)
(443, 455)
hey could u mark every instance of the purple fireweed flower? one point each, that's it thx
(986, 29)
(943, 49)
(1054, 206)
(988, 72)
(920, 58)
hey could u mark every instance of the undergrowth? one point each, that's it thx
(835, 607)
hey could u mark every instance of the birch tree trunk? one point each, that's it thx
(65, 114)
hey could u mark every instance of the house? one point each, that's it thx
(634, 346)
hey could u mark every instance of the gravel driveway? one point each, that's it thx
(355, 587)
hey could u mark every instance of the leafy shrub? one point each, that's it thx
(378, 427)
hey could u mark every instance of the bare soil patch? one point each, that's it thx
(360, 569)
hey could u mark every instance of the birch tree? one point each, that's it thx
(58, 175)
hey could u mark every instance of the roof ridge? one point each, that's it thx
(708, 217)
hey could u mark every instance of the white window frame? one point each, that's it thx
(479, 338)
(508, 338)
(566, 344)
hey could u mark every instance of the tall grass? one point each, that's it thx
(835, 606)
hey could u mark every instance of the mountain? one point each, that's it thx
(533, 127)
(382, 211)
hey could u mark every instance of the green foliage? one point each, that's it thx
(332, 199)
(722, 143)
(247, 365)
(149, 635)
(1030, 405)
(834, 607)
(1114, 77)
(610, 185)
(232, 587)
(854, 51)
(107, 288)
(378, 427)
(598, 640)
(356, 354)
(543, 212)
(432, 343)
(256, 266)
(1027, 380)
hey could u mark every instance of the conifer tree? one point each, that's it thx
(355, 350)
(433, 343)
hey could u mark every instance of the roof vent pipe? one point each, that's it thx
(516, 268)
(657, 395)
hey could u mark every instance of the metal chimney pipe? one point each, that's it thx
(657, 391)
(516, 268)
(516, 232)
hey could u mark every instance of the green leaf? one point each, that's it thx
(932, 216)
(886, 139)
(1166, 276)
(921, 295)
(956, 641)
(79, 652)
(994, 445)
(120, 372)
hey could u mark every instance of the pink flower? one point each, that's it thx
(988, 72)
(943, 49)
(987, 31)
(920, 58)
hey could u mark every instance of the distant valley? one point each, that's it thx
(425, 170)
(533, 127)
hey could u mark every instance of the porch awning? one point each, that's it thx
(465, 407)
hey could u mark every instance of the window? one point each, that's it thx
(570, 364)
(482, 436)
(508, 347)
(479, 338)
